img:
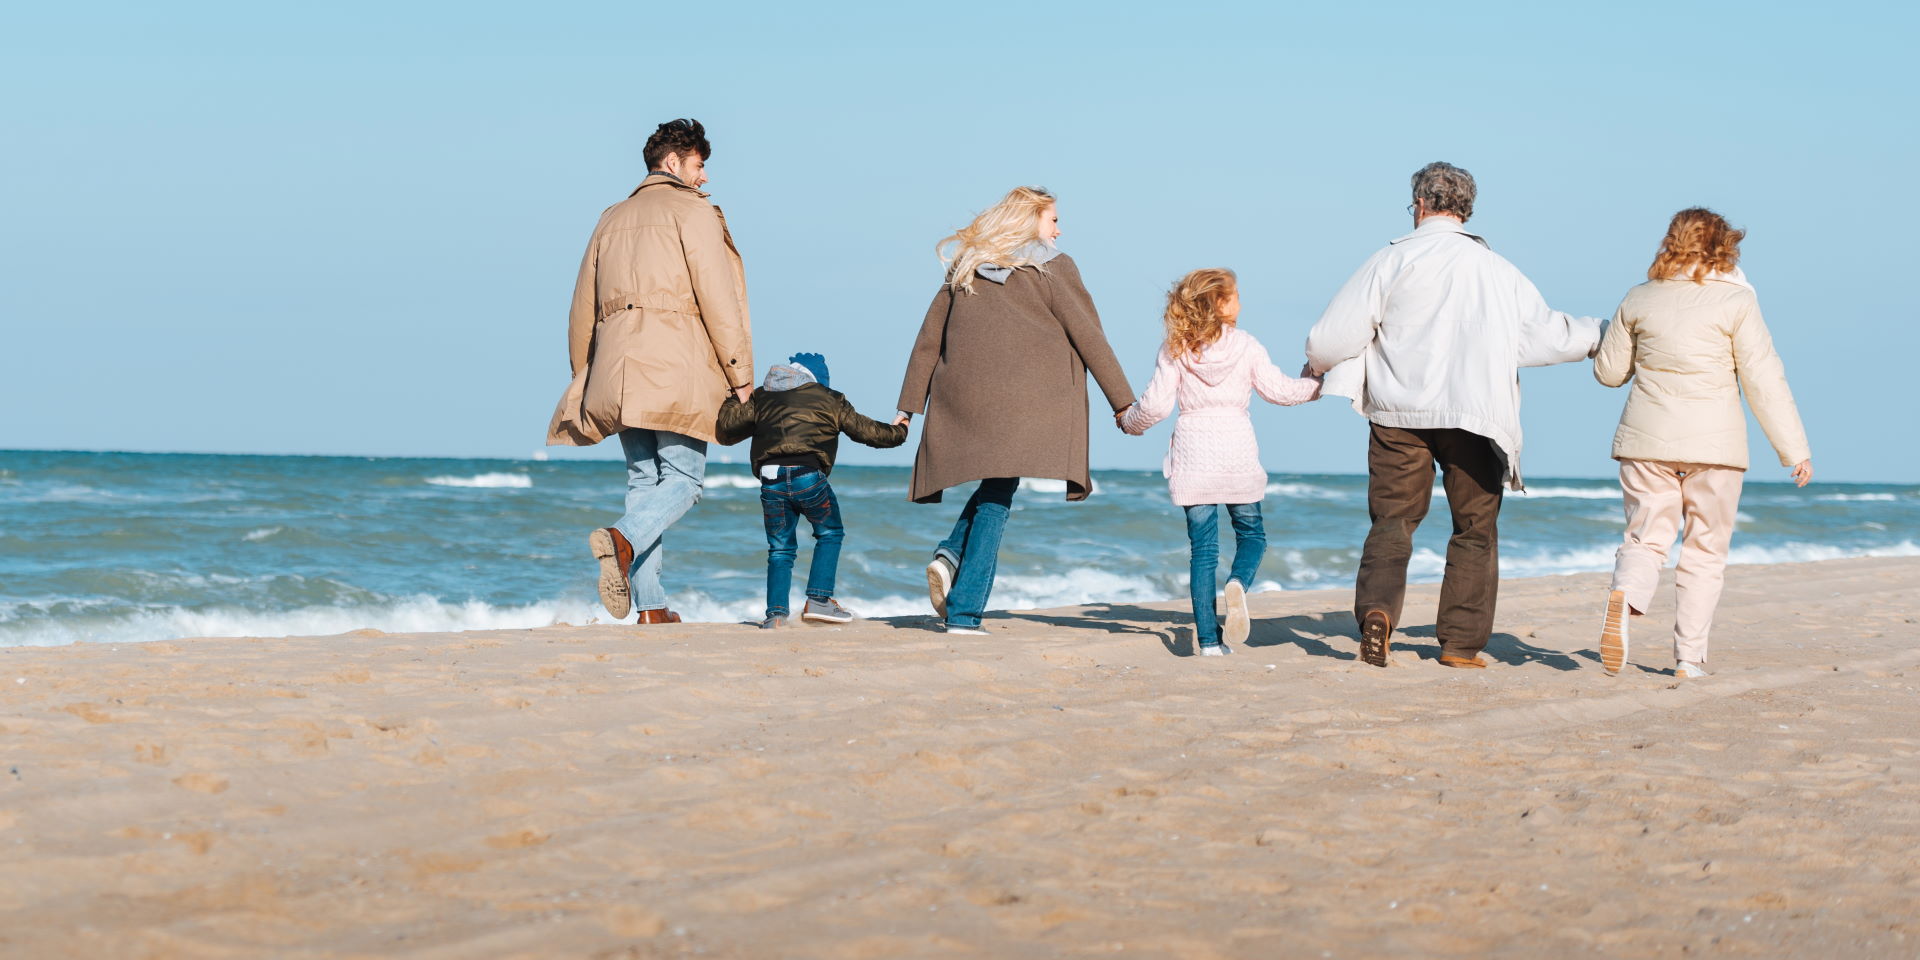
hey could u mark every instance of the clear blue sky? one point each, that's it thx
(353, 228)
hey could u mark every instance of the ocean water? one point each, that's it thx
(110, 547)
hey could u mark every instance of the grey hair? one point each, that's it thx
(1445, 188)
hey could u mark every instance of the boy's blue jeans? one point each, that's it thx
(1203, 537)
(800, 492)
(974, 549)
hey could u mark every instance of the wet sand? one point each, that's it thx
(1073, 785)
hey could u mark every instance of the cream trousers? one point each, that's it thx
(1660, 497)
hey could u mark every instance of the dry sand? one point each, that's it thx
(1072, 785)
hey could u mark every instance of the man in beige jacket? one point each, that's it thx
(657, 337)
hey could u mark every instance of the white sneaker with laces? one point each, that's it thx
(1214, 650)
(1688, 670)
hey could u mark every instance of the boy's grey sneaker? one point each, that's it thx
(773, 623)
(826, 611)
(1238, 624)
(939, 584)
(1214, 650)
(958, 630)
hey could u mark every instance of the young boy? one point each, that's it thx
(796, 422)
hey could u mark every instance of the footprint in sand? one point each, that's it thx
(202, 783)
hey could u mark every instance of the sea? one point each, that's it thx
(123, 547)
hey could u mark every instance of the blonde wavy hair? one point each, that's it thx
(994, 235)
(1698, 242)
(1193, 310)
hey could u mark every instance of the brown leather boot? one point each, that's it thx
(662, 615)
(615, 554)
(1376, 637)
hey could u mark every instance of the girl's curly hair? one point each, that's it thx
(1698, 242)
(1193, 310)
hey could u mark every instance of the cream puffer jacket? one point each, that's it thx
(1690, 348)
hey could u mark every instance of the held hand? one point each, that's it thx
(743, 392)
(900, 419)
(1802, 473)
(1120, 417)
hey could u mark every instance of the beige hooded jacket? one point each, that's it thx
(659, 330)
(1691, 349)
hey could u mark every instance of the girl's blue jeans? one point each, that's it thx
(1203, 538)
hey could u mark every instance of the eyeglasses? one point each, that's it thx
(1411, 206)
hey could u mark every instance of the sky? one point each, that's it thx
(353, 228)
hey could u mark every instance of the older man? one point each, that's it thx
(658, 336)
(1427, 338)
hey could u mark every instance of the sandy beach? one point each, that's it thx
(1073, 785)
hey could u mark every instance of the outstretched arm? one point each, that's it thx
(1613, 362)
(1274, 386)
(1073, 306)
(1348, 324)
(736, 421)
(1548, 336)
(926, 353)
(1763, 377)
(1157, 403)
(866, 430)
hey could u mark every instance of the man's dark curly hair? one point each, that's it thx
(674, 138)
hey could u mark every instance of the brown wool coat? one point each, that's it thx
(1002, 375)
(659, 330)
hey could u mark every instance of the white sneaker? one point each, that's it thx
(964, 631)
(1688, 670)
(1238, 624)
(1214, 650)
(939, 584)
(1613, 633)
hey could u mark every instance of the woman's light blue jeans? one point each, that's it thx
(1203, 539)
(974, 549)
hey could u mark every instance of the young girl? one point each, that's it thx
(1209, 367)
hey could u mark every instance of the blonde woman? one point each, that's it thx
(1000, 369)
(1210, 369)
(1692, 340)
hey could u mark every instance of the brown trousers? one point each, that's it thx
(1400, 467)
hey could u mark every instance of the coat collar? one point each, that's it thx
(656, 179)
(1434, 226)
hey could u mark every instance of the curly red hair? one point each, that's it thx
(1193, 310)
(1698, 242)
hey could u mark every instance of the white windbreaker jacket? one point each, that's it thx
(1431, 332)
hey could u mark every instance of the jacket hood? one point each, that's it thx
(1220, 357)
(782, 376)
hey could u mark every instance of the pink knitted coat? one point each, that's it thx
(1213, 457)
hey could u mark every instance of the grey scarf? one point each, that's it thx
(1034, 253)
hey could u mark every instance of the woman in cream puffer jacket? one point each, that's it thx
(1692, 340)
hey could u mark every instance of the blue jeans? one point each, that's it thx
(664, 475)
(974, 549)
(800, 492)
(1203, 537)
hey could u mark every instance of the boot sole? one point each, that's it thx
(1613, 634)
(1238, 623)
(615, 594)
(1376, 642)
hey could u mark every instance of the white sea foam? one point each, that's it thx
(262, 533)
(1858, 497)
(517, 481)
(411, 615)
(1302, 491)
(730, 481)
(1569, 493)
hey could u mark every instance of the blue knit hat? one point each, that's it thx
(815, 364)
